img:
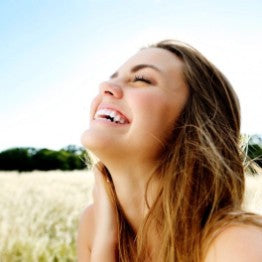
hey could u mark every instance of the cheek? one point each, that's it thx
(147, 100)
(153, 112)
(148, 104)
(157, 112)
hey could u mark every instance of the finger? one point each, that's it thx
(101, 186)
(103, 183)
(101, 175)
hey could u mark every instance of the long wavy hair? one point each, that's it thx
(200, 168)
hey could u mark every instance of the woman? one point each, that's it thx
(170, 181)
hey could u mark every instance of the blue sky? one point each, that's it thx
(53, 54)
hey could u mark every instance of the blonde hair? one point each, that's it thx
(200, 169)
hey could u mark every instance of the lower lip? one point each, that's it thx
(108, 123)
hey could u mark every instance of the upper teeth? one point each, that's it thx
(114, 116)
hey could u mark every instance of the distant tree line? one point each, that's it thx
(73, 157)
(254, 149)
(29, 158)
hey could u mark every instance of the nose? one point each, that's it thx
(111, 89)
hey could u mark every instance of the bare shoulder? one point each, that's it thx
(237, 243)
(85, 234)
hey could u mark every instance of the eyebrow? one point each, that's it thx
(137, 68)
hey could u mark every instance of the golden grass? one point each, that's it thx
(253, 194)
(39, 213)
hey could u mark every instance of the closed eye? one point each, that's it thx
(142, 79)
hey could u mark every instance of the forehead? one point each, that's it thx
(161, 58)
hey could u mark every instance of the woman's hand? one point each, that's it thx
(106, 230)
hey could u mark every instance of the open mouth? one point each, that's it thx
(111, 115)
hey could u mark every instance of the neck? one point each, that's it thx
(130, 179)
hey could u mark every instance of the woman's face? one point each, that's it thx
(137, 106)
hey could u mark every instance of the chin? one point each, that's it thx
(90, 140)
(101, 143)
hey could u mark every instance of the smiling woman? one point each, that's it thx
(147, 91)
(170, 182)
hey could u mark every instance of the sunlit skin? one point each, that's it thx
(149, 91)
(129, 151)
(151, 107)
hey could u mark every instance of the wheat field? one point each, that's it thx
(39, 213)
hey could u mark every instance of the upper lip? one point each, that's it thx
(112, 107)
